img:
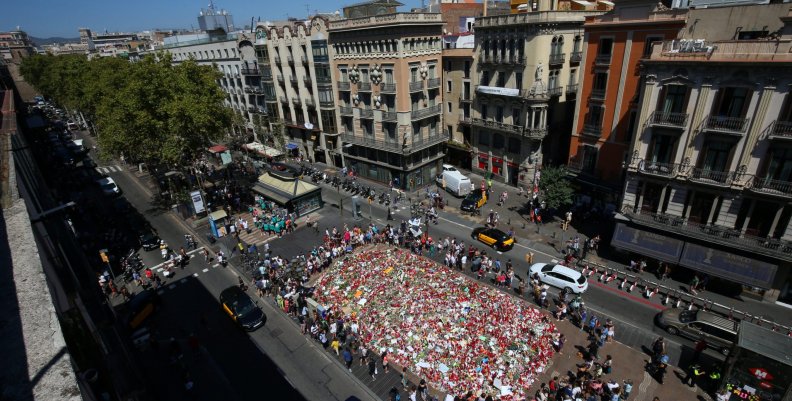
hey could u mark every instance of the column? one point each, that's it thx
(662, 199)
(689, 204)
(775, 220)
(712, 209)
(753, 134)
(699, 113)
(748, 217)
(641, 198)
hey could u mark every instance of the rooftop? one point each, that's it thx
(497, 21)
(733, 51)
(385, 20)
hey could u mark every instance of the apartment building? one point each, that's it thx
(387, 70)
(525, 80)
(295, 62)
(606, 112)
(458, 82)
(16, 45)
(709, 174)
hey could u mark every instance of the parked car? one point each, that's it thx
(454, 181)
(475, 200)
(149, 241)
(494, 238)
(241, 308)
(108, 186)
(140, 307)
(719, 333)
(560, 276)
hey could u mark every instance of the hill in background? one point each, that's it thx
(53, 40)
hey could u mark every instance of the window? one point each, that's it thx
(605, 47)
(552, 80)
(390, 131)
(413, 74)
(448, 65)
(502, 79)
(467, 68)
(780, 165)
(595, 114)
(449, 107)
(733, 102)
(662, 149)
(577, 43)
(389, 75)
(518, 78)
(344, 74)
(329, 121)
(514, 145)
(432, 72)
(716, 156)
(589, 158)
(499, 114)
(630, 126)
(325, 95)
(674, 97)
(448, 85)
(497, 141)
(485, 78)
(600, 83)
(516, 113)
(367, 127)
(483, 111)
(346, 122)
(483, 138)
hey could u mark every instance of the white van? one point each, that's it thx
(454, 181)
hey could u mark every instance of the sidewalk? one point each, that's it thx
(550, 241)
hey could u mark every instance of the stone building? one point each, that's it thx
(709, 172)
(526, 72)
(387, 70)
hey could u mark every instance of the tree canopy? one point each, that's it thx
(555, 187)
(151, 111)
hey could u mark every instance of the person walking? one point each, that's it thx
(658, 348)
(700, 346)
(372, 369)
(348, 359)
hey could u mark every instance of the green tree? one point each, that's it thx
(555, 188)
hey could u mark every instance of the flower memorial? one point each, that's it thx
(459, 334)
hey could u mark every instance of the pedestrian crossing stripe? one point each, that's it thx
(109, 169)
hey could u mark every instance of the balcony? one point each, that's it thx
(323, 80)
(310, 102)
(266, 75)
(290, 59)
(781, 130)
(433, 83)
(426, 112)
(390, 116)
(726, 125)
(575, 57)
(425, 142)
(304, 59)
(486, 59)
(293, 80)
(465, 99)
(283, 99)
(277, 60)
(370, 141)
(713, 233)
(666, 119)
(510, 128)
(326, 104)
(592, 129)
(710, 176)
(307, 81)
(516, 60)
(572, 88)
(658, 169)
(416, 86)
(535, 133)
(250, 71)
(343, 85)
(598, 94)
(366, 113)
(557, 59)
(364, 86)
(388, 88)
(296, 101)
(345, 111)
(554, 91)
(280, 78)
(602, 59)
(769, 186)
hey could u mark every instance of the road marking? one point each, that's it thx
(194, 275)
(628, 295)
(166, 262)
(216, 265)
(205, 270)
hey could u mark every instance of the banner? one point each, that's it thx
(497, 90)
(647, 243)
(198, 203)
(742, 269)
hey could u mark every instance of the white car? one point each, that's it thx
(108, 186)
(560, 276)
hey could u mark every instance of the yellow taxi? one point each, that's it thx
(474, 200)
(494, 238)
(237, 304)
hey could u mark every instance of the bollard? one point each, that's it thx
(621, 285)
(678, 302)
(632, 287)
(666, 299)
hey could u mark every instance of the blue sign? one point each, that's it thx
(741, 269)
(647, 243)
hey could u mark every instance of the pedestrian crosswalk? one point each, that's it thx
(109, 169)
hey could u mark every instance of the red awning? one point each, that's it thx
(218, 149)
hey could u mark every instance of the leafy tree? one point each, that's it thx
(555, 188)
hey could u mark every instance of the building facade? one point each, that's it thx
(606, 112)
(709, 176)
(16, 45)
(296, 65)
(387, 70)
(526, 78)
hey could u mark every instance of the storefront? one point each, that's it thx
(760, 368)
(754, 275)
(292, 193)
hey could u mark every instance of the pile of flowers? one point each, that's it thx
(459, 334)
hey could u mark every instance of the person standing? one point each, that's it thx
(372, 368)
(658, 348)
(700, 346)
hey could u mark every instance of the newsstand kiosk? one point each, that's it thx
(760, 366)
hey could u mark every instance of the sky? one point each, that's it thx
(48, 18)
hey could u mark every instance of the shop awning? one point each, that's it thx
(262, 149)
(269, 193)
(218, 149)
(291, 146)
(742, 269)
(583, 3)
(647, 243)
(218, 214)
(606, 2)
(282, 189)
(765, 342)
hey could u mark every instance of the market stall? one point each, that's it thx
(290, 192)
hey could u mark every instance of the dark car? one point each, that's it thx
(241, 308)
(494, 238)
(474, 200)
(149, 241)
